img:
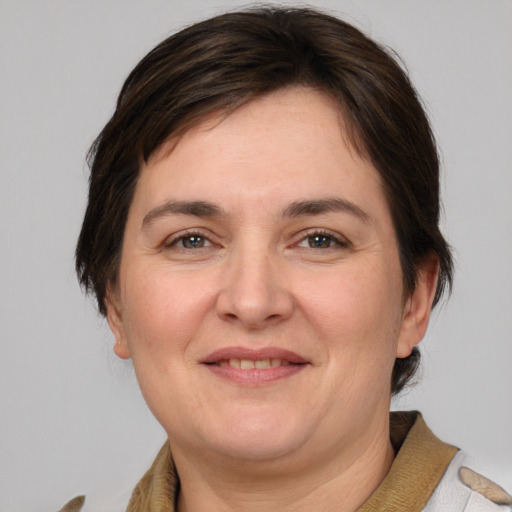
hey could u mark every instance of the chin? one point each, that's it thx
(262, 437)
(258, 447)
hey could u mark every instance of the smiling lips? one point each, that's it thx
(248, 364)
(254, 367)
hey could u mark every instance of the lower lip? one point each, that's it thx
(255, 376)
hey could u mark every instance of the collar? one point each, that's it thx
(419, 465)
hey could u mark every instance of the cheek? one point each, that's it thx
(357, 309)
(163, 311)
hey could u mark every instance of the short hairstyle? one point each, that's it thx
(218, 65)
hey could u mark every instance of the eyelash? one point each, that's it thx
(175, 240)
(336, 240)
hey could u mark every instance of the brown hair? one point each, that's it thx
(226, 61)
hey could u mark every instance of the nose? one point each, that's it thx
(254, 292)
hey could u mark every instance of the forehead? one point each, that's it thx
(309, 107)
(287, 145)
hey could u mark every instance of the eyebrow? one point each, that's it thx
(295, 209)
(325, 205)
(195, 208)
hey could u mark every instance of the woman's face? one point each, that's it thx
(260, 289)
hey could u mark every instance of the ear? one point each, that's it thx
(417, 308)
(115, 321)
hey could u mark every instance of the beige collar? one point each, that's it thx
(419, 465)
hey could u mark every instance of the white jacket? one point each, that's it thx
(463, 490)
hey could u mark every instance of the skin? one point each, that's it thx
(326, 286)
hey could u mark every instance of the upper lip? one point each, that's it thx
(251, 354)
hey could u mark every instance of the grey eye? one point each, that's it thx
(320, 241)
(193, 242)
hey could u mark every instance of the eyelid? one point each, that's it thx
(171, 240)
(340, 241)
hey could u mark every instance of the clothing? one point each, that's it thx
(452, 494)
(427, 475)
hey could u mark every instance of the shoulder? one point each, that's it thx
(74, 505)
(463, 490)
(111, 501)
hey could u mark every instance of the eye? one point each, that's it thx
(193, 241)
(319, 241)
(189, 241)
(322, 240)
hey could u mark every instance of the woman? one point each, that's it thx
(262, 234)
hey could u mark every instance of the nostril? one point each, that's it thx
(230, 316)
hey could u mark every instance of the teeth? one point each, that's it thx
(248, 364)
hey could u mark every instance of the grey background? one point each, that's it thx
(71, 417)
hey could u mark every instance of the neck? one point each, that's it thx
(335, 481)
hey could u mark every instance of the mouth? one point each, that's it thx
(249, 364)
(254, 367)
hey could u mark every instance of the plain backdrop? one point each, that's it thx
(71, 417)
